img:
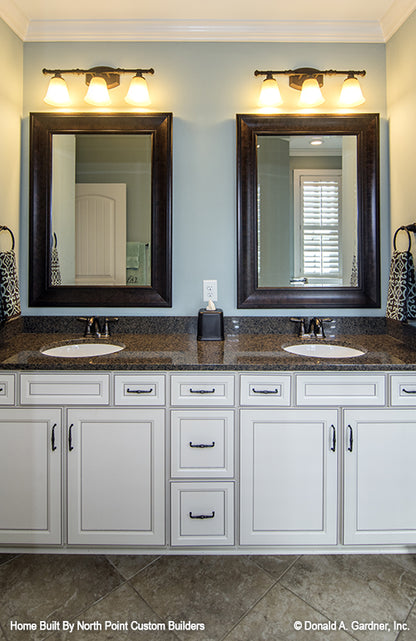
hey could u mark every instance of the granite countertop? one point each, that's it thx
(240, 351)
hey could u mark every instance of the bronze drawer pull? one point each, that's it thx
(202, 516)
(202, 391)
(264, 391)
(53, 444)
(139, 391)
(334, 438)
(71, 447)
(201, 445)
(408, 391)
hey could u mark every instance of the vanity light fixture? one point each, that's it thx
(309, 82)
(99, 81)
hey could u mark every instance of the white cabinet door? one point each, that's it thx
(380, 476)
(30, 476)
(288, 477)
(116, 471)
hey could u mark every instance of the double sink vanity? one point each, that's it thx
(175, 445)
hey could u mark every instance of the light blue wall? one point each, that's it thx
(11, 105)
(205, 85)
(401, 97)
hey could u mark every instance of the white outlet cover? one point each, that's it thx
(209, 290)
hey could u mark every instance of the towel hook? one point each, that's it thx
(403, 228)
(4, 228)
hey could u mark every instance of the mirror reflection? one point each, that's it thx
(101, 209)
(307, 211)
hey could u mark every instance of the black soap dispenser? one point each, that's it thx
(210, 323)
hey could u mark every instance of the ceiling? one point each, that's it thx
(199, 20)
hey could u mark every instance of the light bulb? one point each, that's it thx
(57, 94)
(97, 93)
(138, 93)
(311, 95)
(351, 94)
(269, 93)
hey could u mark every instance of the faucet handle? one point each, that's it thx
(106, 328)
(88, 324)
(319, 326)
(301, 322)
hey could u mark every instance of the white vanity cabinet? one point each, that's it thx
(208, 462)
(116, 471)
(30, 476)
(380, 476)
(288, 477)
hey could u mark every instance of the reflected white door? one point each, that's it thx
(100, 234)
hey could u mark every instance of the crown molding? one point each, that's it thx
(14, 17)
(396, 15)
(204, 31)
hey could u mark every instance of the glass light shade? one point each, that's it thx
(97, 93)
(351, 94)
(311, 95)
(57, 94)
(138, 93)
(270, 94)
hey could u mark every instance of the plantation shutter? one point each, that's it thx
(320, 221)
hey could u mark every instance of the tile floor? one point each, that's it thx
(236, 598)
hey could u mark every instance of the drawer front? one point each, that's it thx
(202, 443)
(64, 389)
(403, 389)
(202, 390)
(139, 390)
(334, 390)
(265, 390)
(202, 514)
(7, 388)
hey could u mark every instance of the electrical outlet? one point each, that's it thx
(209, 290)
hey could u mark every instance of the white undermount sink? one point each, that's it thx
(81, 350)
(323, 350)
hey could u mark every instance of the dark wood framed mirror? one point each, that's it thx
(295, 247)
(100, 210)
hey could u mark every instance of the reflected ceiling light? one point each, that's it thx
(270, 93)
(351, 94)
(99, 81)
(316, 142)
(57, 94)
(309, 82)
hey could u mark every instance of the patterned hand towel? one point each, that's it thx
(401, 295)
(9, 283)
(55, 267)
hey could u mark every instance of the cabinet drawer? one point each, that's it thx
(7, 389)
(264, 390)
(202, 514)
(202, 443)
(202, 390)
(403, 389)
(330, 390)
(139, 390)
(64, 389)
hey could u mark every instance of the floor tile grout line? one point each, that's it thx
(136, 573)
(253, 605)
(323, 614)
(406, 619)
(253, 557)
(149, 606)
